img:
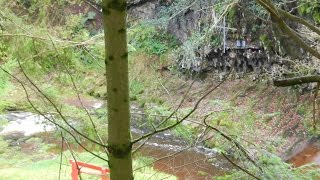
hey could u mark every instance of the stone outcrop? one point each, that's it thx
(143, 9)
(195, 17)
(238, 60)
(241, 60)
(183, 23)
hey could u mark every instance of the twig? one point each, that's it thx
(314, 124)
(50, 120)
(61, 153)
(238, 145)
(166, 119)
(57, 109)
(79, 99)
(94, 5)
(170, 155)
(242, 169)
(73, 157)
(185, 117)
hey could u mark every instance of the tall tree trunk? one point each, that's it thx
(119, 138)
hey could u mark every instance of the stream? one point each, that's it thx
(196, 163)
(310, 154)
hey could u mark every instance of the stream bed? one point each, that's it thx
(177, 158)
(173, 156)
(189, 164)
(310, 154)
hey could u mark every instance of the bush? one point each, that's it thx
(150, 39)
(4, 77)
(310, 8)
(3, 145)
(274, 168)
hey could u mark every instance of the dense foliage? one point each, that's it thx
(149, 39)
(53, 50)
(310, 8)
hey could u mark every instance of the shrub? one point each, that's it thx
(310, 8)
(274, 168)
(3, 145)
(150, 39)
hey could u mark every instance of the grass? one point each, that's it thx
(49, 170)
(22, 167)
(147, 86)
(17, 164)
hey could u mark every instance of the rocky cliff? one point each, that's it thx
(253, 54)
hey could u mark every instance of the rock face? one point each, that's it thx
(184, 23)
(143, 9)
(238, 60)
(241, 60)
(197, 16)
(183, 26)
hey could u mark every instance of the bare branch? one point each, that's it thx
(185, 117)
(50, 120)
(57, 109)
(79, 98)
(178, 152)
(238, 145)
(239, 167)
(61, 153)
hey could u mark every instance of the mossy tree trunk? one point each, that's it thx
(119, 139)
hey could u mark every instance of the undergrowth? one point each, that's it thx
(41, 166)
(70, 50)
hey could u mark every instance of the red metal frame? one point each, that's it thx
(76, 170)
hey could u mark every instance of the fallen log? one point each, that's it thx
(302, 80)
(296, 80)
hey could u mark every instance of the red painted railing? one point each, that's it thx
(85, 168)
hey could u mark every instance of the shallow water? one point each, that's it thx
(176, 158)
(311, 154)
(188, 164)
(26, 123)
(197, 163)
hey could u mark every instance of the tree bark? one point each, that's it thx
(296, 80)
(119, 138)
(276, 14)
(300, 20)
